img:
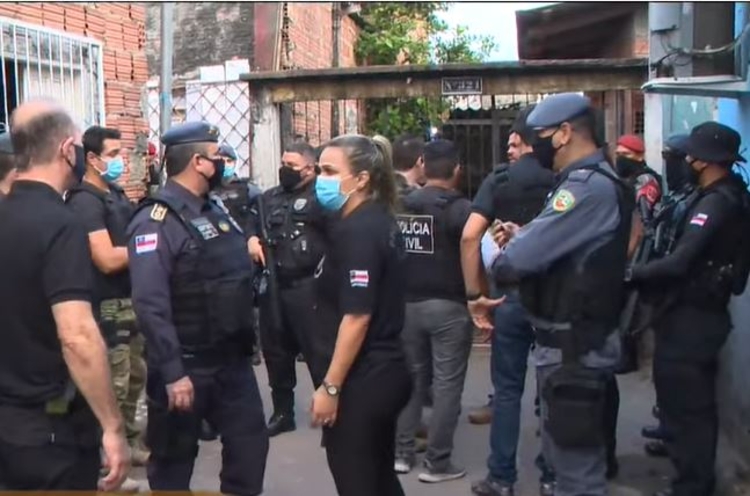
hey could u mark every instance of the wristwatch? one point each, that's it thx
(331, 389)
(473, 296)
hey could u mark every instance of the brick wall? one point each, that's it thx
(121, 28)
(205, 33)
(310, 38)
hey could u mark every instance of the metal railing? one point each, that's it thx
(36, 61)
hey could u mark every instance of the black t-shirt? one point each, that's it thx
(45, 260)
(364, 273)
(90, 209)
(527, 182)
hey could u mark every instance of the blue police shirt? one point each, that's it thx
(151, 267)
(579, 216)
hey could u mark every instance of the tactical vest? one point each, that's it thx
(519, 196)
(211, 283)
(118, 211)
(293, 221)
(433, 253)
(723, 268)
(236, 198)
(585, 296)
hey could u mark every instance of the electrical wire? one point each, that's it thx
(672, 51)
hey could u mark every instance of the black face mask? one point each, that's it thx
(627, 167)
(545, 151)
(289, 178)
(677, 172)
(692, 175)
(215, 180)
(79, 166)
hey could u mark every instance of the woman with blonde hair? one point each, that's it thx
(361, 298)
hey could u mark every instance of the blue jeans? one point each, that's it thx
(511, 341)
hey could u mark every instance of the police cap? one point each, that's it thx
(556, 109)
(6, 146)
(227, 151)
(714, 142)
(676, 144)
(191, 132)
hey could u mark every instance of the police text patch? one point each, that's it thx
(418, 233)
(563, 201)
(359, 278)
(146, 243)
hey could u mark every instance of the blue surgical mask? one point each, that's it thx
(328, 192)
(228, 171)
(115, 168)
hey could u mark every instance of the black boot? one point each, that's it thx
(280, 423)
(656, 449)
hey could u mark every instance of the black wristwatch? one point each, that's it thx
(473, 296)
(331, 389)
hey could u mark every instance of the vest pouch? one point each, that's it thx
(230, 312)
(575, 406)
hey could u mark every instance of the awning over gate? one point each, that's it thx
(495, 78)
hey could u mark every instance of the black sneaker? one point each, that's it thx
(547, 488)
(280, 423)
(433, 475)
(488, 487)
(208, 433)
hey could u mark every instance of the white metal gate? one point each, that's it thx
(36, 61)
(225, 104)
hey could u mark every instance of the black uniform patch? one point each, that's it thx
(418, 232)
(205, 227)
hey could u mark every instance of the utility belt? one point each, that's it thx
(549, 334)
(574, 394)
(65, 420)
(212, 357)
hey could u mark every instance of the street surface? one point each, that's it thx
(297, 464)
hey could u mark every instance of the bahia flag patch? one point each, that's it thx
(146, 243)
(699, 220)
(359, 278)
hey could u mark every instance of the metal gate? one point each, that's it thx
(36, 61)
(481, 133)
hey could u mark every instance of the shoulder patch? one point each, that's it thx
(563, 201)
(581, 175)
(146, 243)
(158, 212)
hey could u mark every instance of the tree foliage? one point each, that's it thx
(412, 33)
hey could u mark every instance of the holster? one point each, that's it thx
(575, 398)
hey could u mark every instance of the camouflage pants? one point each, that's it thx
(127, 365)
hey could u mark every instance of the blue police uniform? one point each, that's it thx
(570, 261)
(192, 287)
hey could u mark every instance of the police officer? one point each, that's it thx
(667, 219)
(569, 261)
(296, 228)
(516, 193)
(8, 171)
(105, 210)
(54, 376)
(708, 264)
(437, 322)
(238, 197)
(192, 278)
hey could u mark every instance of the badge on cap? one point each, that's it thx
(563, 201)
(299, 204)
(224, 226)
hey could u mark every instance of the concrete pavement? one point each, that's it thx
(297, 464)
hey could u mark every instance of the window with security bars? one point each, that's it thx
(639, 126)
(40, 62)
